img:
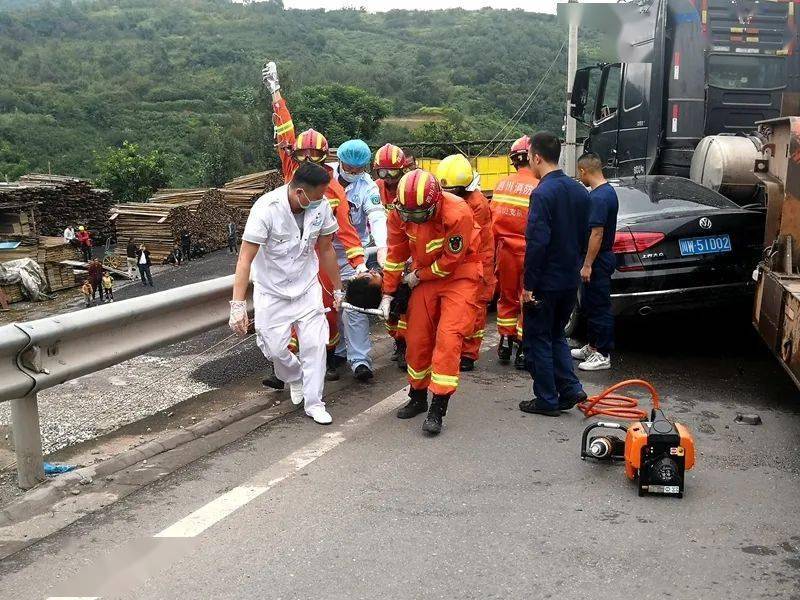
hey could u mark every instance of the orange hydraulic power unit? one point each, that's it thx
(657, 452)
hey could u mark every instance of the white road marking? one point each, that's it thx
(225, 505)
(74, 598)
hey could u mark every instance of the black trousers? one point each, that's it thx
(144, 271)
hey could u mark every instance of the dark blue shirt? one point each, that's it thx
(603, 213)
(556, 234)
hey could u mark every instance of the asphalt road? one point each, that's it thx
(498, 506)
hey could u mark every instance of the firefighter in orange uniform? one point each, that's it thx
(387, 170)
(312, 146)
(456, 176)
(509, 218)
(436, 230)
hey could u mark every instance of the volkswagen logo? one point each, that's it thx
(705, 223)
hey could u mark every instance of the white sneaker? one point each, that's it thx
(581, 353)
(595, 362)
(296, 391)
(320, 415)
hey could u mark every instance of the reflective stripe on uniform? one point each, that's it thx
(413, 238)
(447, 380)
(434, 245)
(354, 251)
(402, 325)
(511, 322)
(438, 271)
(334, 202)
(418, 375)
(519, 201)
(394, 267)
(286, 127)
(477, 335)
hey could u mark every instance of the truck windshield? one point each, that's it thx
(746, 71)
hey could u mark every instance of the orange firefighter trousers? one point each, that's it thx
(510, 264)
(472, 343)
(440, 315)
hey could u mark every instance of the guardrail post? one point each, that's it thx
(27, 441)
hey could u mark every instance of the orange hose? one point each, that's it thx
(616, 405)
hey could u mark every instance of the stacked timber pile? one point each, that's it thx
(158, 224)
(52, 251)
(211, 218)
(15, 247)
(243, 191)
(154, 224)
(13, 292)
(60, 201)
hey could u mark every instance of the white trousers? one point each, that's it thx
(274, 320)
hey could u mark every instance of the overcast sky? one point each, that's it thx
(546, 6)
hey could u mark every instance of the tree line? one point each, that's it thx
(178, 80)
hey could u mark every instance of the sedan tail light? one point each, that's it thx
(627, 242)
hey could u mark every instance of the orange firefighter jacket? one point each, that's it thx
(510, 208)
(446, 246)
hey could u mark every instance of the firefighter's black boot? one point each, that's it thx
(519, 359)
(467, 364)
(331, 372)
(416, 405)
(438, 409)
(270, 379)
(401, 355)
(503, 350)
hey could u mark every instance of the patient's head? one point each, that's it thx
(365, 292)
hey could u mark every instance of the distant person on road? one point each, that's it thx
(283, 230)
(143, 262)
(186, 244)
(108, 287)
(598, 266)
(88, 292)
(69, 235)
(558, 222)
(175, 257)
(232, 238)
(85, 240)
(95, 270)
(131, 253)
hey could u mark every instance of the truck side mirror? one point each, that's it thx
(580, 94)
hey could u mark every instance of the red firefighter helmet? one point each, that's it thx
(310, 145)
(418, 194)
(520, 148)
(389, 162)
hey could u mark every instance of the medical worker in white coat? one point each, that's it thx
(283, 230)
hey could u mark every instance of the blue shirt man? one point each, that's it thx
(555, 236)
(598, 266)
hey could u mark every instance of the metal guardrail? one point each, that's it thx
(37, 355)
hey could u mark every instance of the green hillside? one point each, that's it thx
(183, 77)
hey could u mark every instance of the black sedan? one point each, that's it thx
(681, 246)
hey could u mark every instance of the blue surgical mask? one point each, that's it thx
(311, 205)
(350, 177)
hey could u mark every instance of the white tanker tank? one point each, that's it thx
(724, 163)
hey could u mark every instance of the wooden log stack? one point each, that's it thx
(60, 201)
(243, 191)
(159, 224)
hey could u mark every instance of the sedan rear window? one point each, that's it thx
(662, 194)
